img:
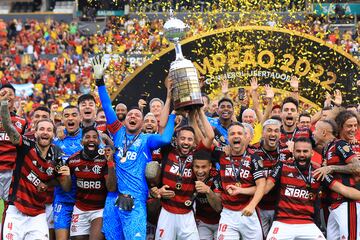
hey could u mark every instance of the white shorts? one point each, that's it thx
(266, 217)
(18, 226)
(286, 231)
(49, 211)
(176, 226)
(341, 225)
(81, 221)
(207, 231)
(5, 182)
(233, 225)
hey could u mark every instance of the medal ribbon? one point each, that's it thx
(237, 173)
(269, 156)
(127, 146)
(307, 179)
(292, 136)
(182, 166)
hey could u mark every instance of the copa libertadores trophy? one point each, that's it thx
(186, 88)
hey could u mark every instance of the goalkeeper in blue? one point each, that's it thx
(133, 150)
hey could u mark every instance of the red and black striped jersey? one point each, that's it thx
(50, 190)
(338, 152)
(7, 149)
(245, 169)
(204, 211)
(356, 148)
(91, 177)
(297, 133)
(171, 175)
(296, 200)
(31, 170)
(270, 159)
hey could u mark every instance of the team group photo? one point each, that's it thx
(179, 120)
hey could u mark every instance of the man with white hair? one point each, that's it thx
(271, 151)
(249, 116)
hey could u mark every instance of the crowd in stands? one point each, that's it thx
(55, 56)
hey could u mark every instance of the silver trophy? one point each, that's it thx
(186, 88)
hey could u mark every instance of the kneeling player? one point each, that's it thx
(94, 172)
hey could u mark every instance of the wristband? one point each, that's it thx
(100, 82)
(110, 164)
(4, 103)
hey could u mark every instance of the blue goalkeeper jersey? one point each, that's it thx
(220, 132)
(131, 172)
(69, 145)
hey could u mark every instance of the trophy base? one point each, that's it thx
(189, 105)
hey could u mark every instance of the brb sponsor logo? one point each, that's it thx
(33, 179)
(243, 172)
(88, 184)
(297, 193)
(4, 137)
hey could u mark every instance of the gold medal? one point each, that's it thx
(238, 184)
(123, 159)
(187, 203)
(178, 186)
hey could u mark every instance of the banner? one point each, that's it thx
(24, 90)
(272, 55)
(329, 8)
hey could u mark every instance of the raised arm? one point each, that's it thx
(159, 140)
(294, 83)
(208, 130)
(199, 135)
(99, 66)
(270, 95)
(14, 135)
(255, 97)
(166, 109)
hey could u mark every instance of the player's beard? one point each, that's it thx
(121, 117)
(91, 153)
(42, 143)
(305, 166)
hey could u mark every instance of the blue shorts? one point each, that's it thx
(111, 221)
(62, 215)
(133, 223)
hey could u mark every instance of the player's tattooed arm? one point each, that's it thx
(7, 124)
(352, 167)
